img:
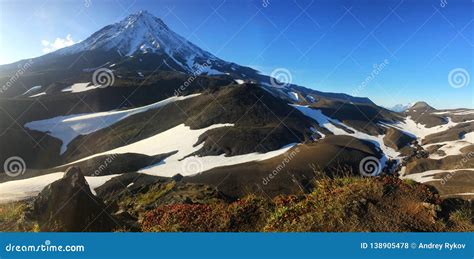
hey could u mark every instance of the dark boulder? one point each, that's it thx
(177, 177)
(69, 205)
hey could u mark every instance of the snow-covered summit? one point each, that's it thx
(143, 43)
(400, 107)
(142, 32)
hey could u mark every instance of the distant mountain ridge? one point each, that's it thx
(227, 126)
(400, 107)
(421, 106)
(143, 43)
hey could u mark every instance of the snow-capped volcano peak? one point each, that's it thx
(140, 32)
(143, 16)
(141, 42)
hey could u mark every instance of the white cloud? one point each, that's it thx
(57, 44)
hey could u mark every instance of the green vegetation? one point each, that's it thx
(335, 204)
(149, 197)
(462, 220)
(341, 204)
(12, 218)
(410, 182)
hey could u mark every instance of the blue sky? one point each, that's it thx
(333, 46)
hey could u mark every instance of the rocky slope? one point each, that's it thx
(225, 130)
(157, 204)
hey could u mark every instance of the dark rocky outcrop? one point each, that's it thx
(422, 106)
(69, 205)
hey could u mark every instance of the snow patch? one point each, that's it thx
(428, 176)
(452, 148)
(318, 132)
(32, 90)
(26, 188)
(67, 128)
(239, 81)
(210, 71)
(80, 87)
(36, 95)
(469, 137)
(419, 130)
(182, 139)
(171, 165)
(330, 124)
(293, 96)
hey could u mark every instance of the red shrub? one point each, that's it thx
(186, 218)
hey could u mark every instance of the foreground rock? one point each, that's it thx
(69, 205)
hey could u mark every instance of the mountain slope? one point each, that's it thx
(140, 43)
(173, 109)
